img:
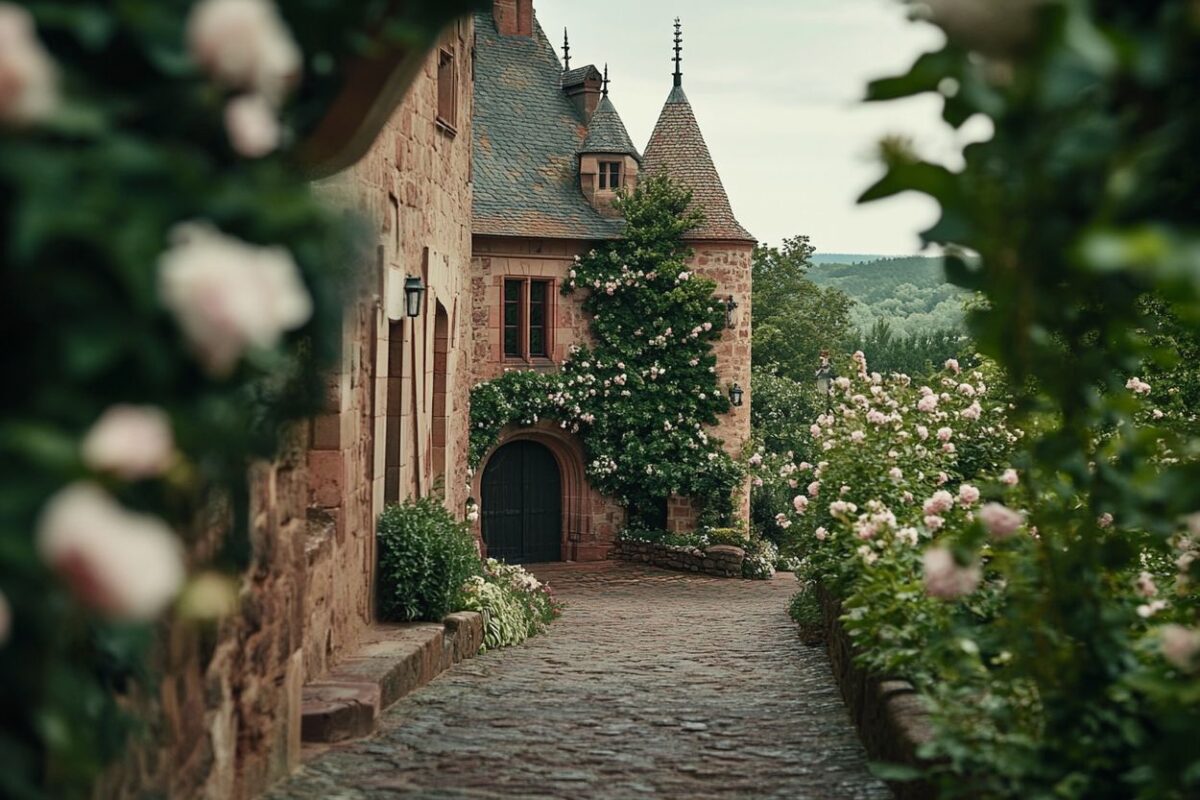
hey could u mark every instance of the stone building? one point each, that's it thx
(496, 169)
(550, 153)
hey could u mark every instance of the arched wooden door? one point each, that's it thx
(522, 504)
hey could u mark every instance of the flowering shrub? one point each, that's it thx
(425, 555)
(1062, 624)
(171, 294)
(933, 556)
(515, 605)
(641, 397)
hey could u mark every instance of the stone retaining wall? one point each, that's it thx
(722, 561)
(890, 718)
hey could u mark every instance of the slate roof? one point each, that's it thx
(527, 139)
(580, 74)
(607, 134)
(677, 147)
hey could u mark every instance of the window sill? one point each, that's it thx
(446, 127)
(537, 362)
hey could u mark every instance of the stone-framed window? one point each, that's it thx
(610, 176)
(447, 91)
(528, 316)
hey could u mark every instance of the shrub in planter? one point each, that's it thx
(728, 536)
(425, 556)
(515, 605)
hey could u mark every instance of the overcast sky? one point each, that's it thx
(776, 85)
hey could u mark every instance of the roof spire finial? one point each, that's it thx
(605, 84)
(678, 52)
(566, 51)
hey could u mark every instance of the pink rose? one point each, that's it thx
(5, 619)
(968, 495)
(1001, 521)
(1180, 646)
(28, 76)
(123, 565)
(945, 578)
(1009, 478)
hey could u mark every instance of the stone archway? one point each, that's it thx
(581, 505)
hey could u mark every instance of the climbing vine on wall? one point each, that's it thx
(641, 396)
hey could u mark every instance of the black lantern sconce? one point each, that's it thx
(414, 294)
(735, 395)
(731, 305)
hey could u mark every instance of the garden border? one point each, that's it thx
(892, 723)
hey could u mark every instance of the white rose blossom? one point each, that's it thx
(120, 564)
(244, 44)
(131, 442)
(252, 127)
(228, 296)
(28, 75)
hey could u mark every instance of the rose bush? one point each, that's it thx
(1053, 634)
(173, 292)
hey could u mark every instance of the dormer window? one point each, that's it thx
(610, 176)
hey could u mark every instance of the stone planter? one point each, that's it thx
(892, 723)
(721, 561)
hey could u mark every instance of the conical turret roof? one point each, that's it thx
(677, 148)
(606, 132)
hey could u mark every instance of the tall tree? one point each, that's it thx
(794, 319)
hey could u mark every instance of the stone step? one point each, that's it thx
(390, 662)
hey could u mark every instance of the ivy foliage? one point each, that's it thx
(641, 396)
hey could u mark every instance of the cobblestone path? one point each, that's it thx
(654, 684)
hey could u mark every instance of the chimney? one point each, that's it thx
(513, 17)
(585, 87)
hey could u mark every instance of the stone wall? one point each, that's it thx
(396, 425)
(722, 561)
(729, 265)
(225, 721)
(891, 721)
(726, 263)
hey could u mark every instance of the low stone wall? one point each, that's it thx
(722, 561)
(890, 718)
(392, 661)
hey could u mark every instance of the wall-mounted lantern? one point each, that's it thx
(731, 305)
(414, 294)
(735, 396)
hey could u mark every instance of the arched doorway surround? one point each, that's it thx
(586, 531)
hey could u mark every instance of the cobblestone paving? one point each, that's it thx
(653, 684)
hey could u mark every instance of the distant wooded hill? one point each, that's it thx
(909, 293)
